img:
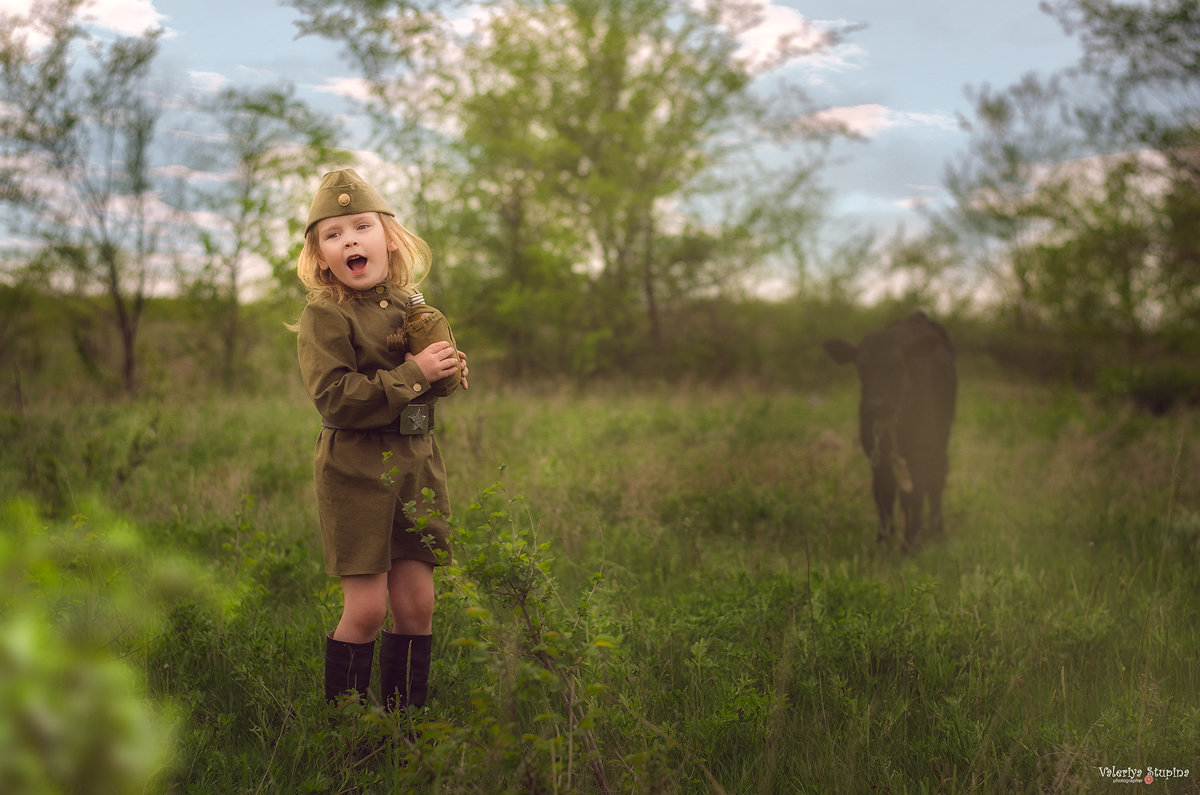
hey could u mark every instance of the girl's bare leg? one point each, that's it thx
(411, 595)
(364, 607)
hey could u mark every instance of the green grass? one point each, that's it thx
(670, 590)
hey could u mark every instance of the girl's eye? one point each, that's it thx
(361, 227)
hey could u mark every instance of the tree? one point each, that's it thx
(1094, 272)
(1083, 188)
(268, 139)
(396, 45)
(1016, 136)
(1146, 56)
(78, 159)
(597, 149)
(1146, 59)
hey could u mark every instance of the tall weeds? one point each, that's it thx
(666, 592)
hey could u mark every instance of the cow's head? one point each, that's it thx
(883, 363)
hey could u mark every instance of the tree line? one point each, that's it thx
(1078, 198)
(595, 177)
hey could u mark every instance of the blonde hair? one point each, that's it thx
(411, 256)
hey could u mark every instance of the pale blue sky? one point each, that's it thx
(916, 60)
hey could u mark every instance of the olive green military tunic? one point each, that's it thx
(366, 469)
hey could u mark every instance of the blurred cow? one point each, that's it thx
(906, 407)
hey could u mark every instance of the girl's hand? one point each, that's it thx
(463, 368)
(437, 361)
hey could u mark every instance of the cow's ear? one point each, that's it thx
(921, 347)
(840, 351)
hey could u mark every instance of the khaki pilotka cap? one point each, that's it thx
(344, 193)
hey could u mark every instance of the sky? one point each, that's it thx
(899, 81)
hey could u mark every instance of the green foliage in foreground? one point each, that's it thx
(667, 593)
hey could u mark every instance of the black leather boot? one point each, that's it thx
(347, 667)
(404, 669)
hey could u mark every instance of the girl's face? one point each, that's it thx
(355, 249)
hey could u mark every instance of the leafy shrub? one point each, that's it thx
(527, 668)
(75, 599)
(1156, 388)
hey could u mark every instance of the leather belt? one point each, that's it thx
(415, 420)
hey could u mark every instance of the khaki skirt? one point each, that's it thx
(362, 494)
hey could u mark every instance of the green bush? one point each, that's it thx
(78, 598)
(1157, 388)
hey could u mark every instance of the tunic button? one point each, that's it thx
(383, 304)
(379, 288)
(416, 387)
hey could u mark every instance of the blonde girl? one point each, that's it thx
(375, 359)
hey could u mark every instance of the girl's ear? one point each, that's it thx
(392, 243)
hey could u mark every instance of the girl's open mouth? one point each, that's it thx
(357, 263)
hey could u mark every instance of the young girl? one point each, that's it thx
(375, 359)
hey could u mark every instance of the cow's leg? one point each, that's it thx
(883, 487)
(911, 504)
(935, 511)
(935, 496)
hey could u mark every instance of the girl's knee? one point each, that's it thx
(364, 617)
(372, 616)
(360, 624)
(411, 595)
(415, 611)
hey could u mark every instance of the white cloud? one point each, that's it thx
(922, 196)
(257, 72)
(774, 36)
(938, 120)
(865, 120)
(872, 120)
(218, 138)
(127, 17)
(36, 39)
(185, 174)
(1083, 178)
(9, 243)
(914, 202)
(208, 81)
(355, 88)
(781, 35)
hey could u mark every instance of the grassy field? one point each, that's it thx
(655, 590)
